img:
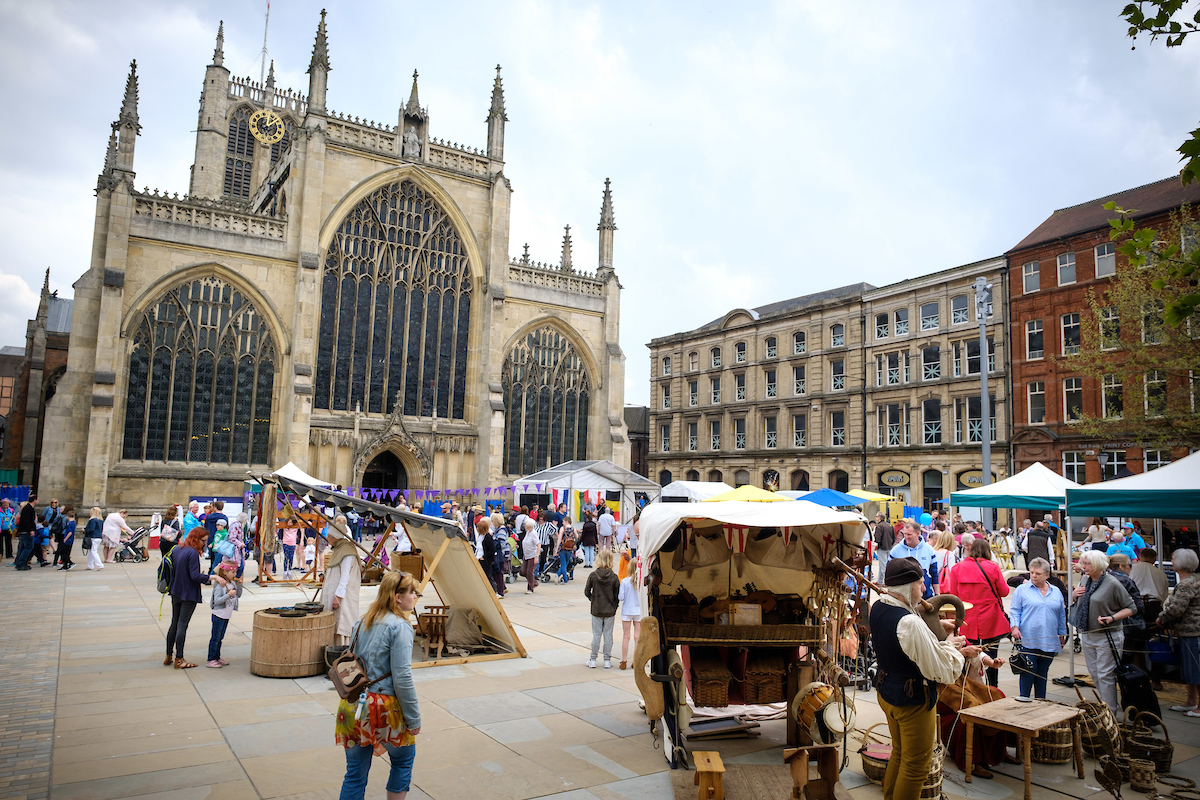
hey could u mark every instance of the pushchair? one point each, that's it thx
(133, 549)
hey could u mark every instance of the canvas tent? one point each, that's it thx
(294, 473)
(1035, 487)
(579, 476)
(449, 562)
(692, 491)
(1170, 492)
(805, 535)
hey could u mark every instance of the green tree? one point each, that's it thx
(1148, 370)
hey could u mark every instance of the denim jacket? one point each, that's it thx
(387, 647)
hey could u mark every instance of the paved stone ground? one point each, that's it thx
(83, 651)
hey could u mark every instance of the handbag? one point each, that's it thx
(87, 543)
(1163, 650)
(349, 674)
(1021, 661)
(224, 548)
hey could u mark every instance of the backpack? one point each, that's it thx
(57, 525)
(568, 540)
(503, 547)
(165, 572)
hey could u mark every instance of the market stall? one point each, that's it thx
(742, 602)
(1035, 487)
(1170, 492)
(692, 491)
(579, 482)
(449, 576)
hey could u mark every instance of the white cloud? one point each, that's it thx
(19, 306)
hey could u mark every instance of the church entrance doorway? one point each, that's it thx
(385, 472)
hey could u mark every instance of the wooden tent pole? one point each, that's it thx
(433, 564)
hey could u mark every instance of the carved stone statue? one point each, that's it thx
(412, 143)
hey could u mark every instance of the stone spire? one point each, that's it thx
(606, 227)
(127, 127)
(219, 52)
(110, 154)
(318, 70)
(565, 263)
(269, 93)
(525, 254)
(413, 109)
(496, 119)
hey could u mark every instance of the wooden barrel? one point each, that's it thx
(290, 647)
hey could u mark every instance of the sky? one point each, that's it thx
(757, 151)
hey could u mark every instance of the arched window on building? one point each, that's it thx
(839, 481)
(741, 478)
(664, 477)
(395, 309)
(714, 476)
(239, 155)
(771, 480)
(546, 401)
(799, 480)
(693, 475)
(201, 378)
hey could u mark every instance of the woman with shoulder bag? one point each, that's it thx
(386, 717)
(186, 578)
(168, 532)
(1038, 626)
(978, 580)
(92, 534)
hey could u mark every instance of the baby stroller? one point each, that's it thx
(132, 549)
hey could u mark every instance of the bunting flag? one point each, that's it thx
(405, 493)
(787, 535)
(689, 536)
(735, 536)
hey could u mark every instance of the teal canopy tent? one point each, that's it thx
(1170, 492)
(1036, 487)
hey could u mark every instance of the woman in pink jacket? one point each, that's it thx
(978, 580)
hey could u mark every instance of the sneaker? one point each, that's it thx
(222, 662)
(607, 664)
(591, 664)
(1192, 714)
(214, 665)
(69, 567)
(1183, 708)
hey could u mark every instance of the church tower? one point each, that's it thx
(211, 127)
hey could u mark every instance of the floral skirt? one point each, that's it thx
(381, 723)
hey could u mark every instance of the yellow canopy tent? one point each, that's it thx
(751, 494)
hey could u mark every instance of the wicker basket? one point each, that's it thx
(766, 677)
(412, 564)
(710, 680)
(1053, 744)
(932, 790)
(874, 746)
(1098, 728)
(1142, 775)
(1145, 745)
(1130, 726)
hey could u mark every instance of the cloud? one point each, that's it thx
(19, 306)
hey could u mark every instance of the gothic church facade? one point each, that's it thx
(330, 291)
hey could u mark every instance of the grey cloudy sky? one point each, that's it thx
(758, 151)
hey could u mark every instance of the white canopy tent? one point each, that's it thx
(1035, 487)
(294, 473)
(693, 491)
(577, 476)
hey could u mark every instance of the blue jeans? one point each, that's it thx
(220, 624)
(1037, 681)
(24, 550)
(289, 551)
(564, 560)
(589, 555)
(358, 766)
(883, 556)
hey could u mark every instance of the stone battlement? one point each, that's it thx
(284, 100)
(535, 273)
(199, 212)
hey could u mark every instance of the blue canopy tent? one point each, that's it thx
(832, 498)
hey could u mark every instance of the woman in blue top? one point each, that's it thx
(68, 538)
(1038, 624)
(386, 717)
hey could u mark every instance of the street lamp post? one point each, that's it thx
(982, 288)
(1103, 459)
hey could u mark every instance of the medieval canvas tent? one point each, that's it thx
(450, 564)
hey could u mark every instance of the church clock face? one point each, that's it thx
(266, 126)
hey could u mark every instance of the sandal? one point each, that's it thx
(168, 661)
(181, 664)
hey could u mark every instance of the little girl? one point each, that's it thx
(224, 603)
(289, 544)
(631, 614)
(310, 554)
(68, 538)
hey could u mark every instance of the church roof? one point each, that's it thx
(1153, 198)
(58, 315)
(12, 351)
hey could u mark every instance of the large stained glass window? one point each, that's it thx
(239, 158)
(201, 378)
(395, 309)
(546, 391)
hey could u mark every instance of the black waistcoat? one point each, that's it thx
(900, 680)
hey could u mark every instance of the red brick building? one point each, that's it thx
(1051, 271)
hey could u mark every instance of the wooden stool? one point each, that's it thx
(709, 770)
(433, 625)
(826, 786)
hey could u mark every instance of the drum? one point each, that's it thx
(808, 703)
(835, 721)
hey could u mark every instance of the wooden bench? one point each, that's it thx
(709, 770)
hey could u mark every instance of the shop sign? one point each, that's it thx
(973, 478)
(893, 477)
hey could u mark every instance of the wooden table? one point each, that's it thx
(1025, 720)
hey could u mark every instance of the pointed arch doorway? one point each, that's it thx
(385, 472)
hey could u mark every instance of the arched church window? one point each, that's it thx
(201, 378)
(546, 396)
(239, 156)
(278, 148)
(395, 309)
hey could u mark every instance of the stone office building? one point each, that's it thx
(778, 395)
(330, 291)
